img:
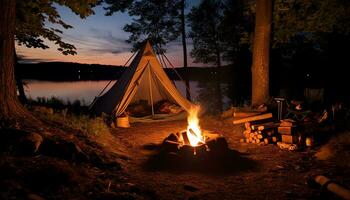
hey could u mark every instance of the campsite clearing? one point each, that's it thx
(254, 172)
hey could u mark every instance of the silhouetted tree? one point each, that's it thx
(204, 21)
(27, 27)
(154, 19)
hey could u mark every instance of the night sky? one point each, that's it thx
(99, 39)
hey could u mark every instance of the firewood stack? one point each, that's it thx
(287, 129)
(263, 133)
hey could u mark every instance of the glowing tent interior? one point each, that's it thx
(143, 81)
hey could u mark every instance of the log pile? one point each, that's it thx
(289, 136)
(265, 133)
(283, 133)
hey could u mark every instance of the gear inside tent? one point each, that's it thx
(144, 92)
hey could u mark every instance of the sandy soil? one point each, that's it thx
(249, 171)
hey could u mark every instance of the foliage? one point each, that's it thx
(237, 26)
(154, 19)
(220, 29)
(39, 20)
(310, 19)
(116, 6)
(205, 32)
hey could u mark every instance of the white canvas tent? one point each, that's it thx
(144, 79)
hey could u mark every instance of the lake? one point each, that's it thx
(205, 93)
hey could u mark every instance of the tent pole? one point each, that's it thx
(150, 87)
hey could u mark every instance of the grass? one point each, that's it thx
(72, 115)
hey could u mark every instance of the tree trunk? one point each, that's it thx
(183, 32)
(183, 36)
(19, 82)
(11, 110)
(218, 83)
(261, 52)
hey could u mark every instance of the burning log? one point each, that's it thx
(193, 142)
(186, 141)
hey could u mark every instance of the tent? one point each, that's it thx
(144, 80)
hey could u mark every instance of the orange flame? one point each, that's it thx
(194, 132)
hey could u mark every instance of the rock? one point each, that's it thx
(30, 143)
(190, 188)
(172, 137)
(10, 139)
(34, 197)
(67, 150)
(20, 141)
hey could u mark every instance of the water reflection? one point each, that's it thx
(211, 95)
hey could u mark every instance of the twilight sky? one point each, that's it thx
(99, 39)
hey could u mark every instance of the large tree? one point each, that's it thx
(28, 27)
(155, 20)
(204, 22)
(261, 52)
(10, 108)
(184, 45)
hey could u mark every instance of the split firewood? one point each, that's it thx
(287, 122)
(262, 126)
(266, 140)
(260, 136)
(253, 118)
(287, 130)
(274, 139)
(247, 126)
(244, 114)
(290, 139)
(241, 140)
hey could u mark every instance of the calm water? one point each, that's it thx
(85, 91)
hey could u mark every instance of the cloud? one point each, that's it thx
(98, 42)
(107, 36)
(26, 59)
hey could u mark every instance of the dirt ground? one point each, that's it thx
(127, 163)
(249, 172)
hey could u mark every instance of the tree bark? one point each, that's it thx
(261, 52)
(11, 110)
(19, 82)
(184, 46)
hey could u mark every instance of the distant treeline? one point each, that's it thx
(62, 71)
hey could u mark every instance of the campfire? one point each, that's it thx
(194, 140)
